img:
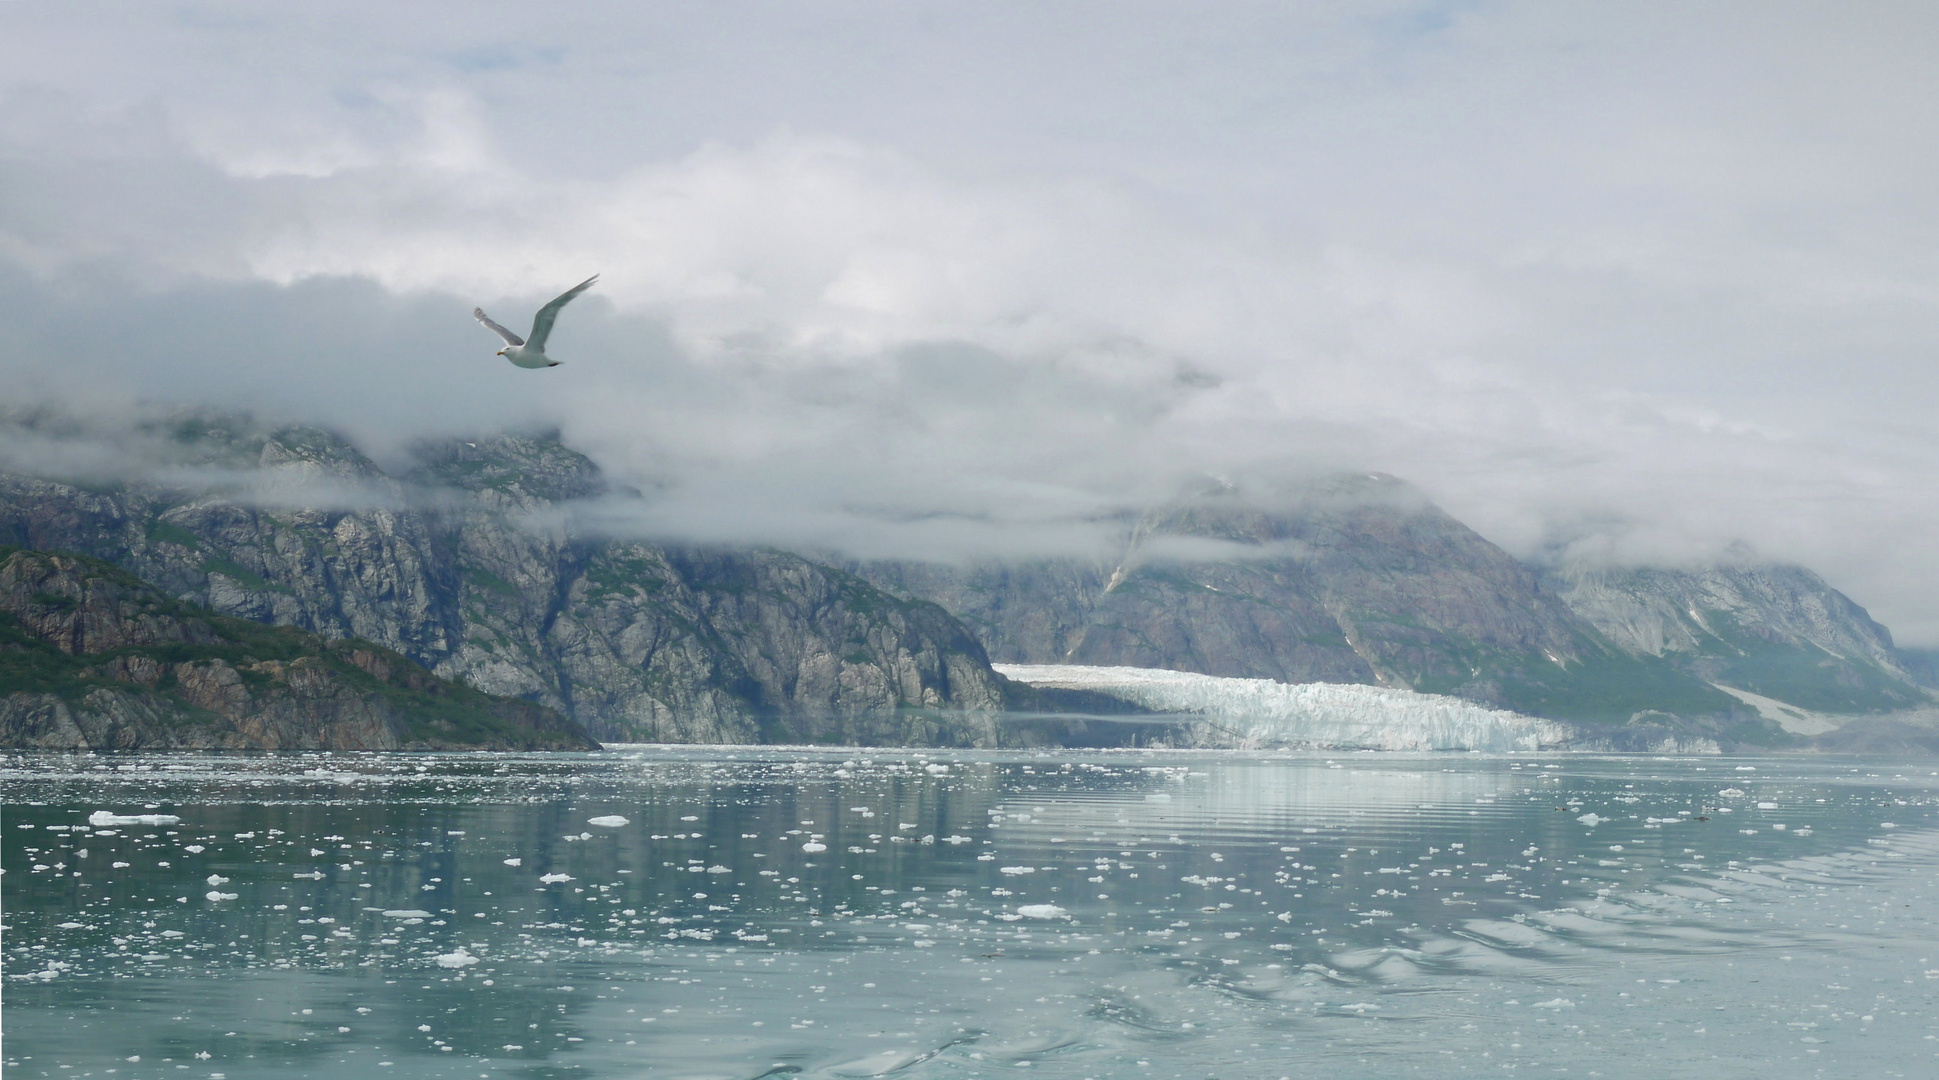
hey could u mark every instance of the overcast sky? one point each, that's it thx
(1635, 281)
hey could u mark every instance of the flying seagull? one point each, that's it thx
(531, 353)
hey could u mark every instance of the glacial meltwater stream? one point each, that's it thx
(748, 912)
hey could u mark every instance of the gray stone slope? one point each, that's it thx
(93, 658)
(1361, 579)
(468, 560)
(1775, 630)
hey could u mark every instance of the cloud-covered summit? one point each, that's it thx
(946, 278)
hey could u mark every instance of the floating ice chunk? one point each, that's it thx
(314, 875)
(102, 818)
(457, 959)
(1554, 1003)
(1592, 820)
(1767, 806)
(1018, 869)
(552, 879)
(214, 895)
(811, 847)
(514, 862)
(1040, 911)
(218, 879)
(406, 913)
(1731, 793)
(608, 821)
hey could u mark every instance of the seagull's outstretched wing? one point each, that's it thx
(510, 338)
(542, 322)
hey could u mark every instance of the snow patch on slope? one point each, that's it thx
(1263, 714)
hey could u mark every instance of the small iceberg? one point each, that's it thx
(1040, 911)
(608, 821)
(101, 818)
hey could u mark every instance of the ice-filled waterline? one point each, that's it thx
(844, 913)
(1264, 714)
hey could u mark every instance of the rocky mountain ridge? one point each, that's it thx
(1362, 579)
(92, 657)
(1774, 631)
(469, 562)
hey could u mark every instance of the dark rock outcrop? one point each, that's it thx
(92, 657)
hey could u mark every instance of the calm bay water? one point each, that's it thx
(1077, 914)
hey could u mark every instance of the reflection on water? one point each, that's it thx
(1078, 914)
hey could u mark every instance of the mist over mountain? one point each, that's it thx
(1609, 289)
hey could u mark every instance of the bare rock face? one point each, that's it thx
(93, 658)
(471, 559)
(1357, 579)
(1776, 631)
(1361, 580)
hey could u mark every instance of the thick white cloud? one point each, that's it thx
(1634, 282)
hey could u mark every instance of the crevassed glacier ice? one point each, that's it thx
(1263, 714)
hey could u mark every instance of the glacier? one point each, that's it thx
(1261, 714)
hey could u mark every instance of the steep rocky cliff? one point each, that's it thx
(1357, 579)
(467, 558)
(1779, 632)
(92, 657)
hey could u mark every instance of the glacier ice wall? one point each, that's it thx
(1264, 714)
